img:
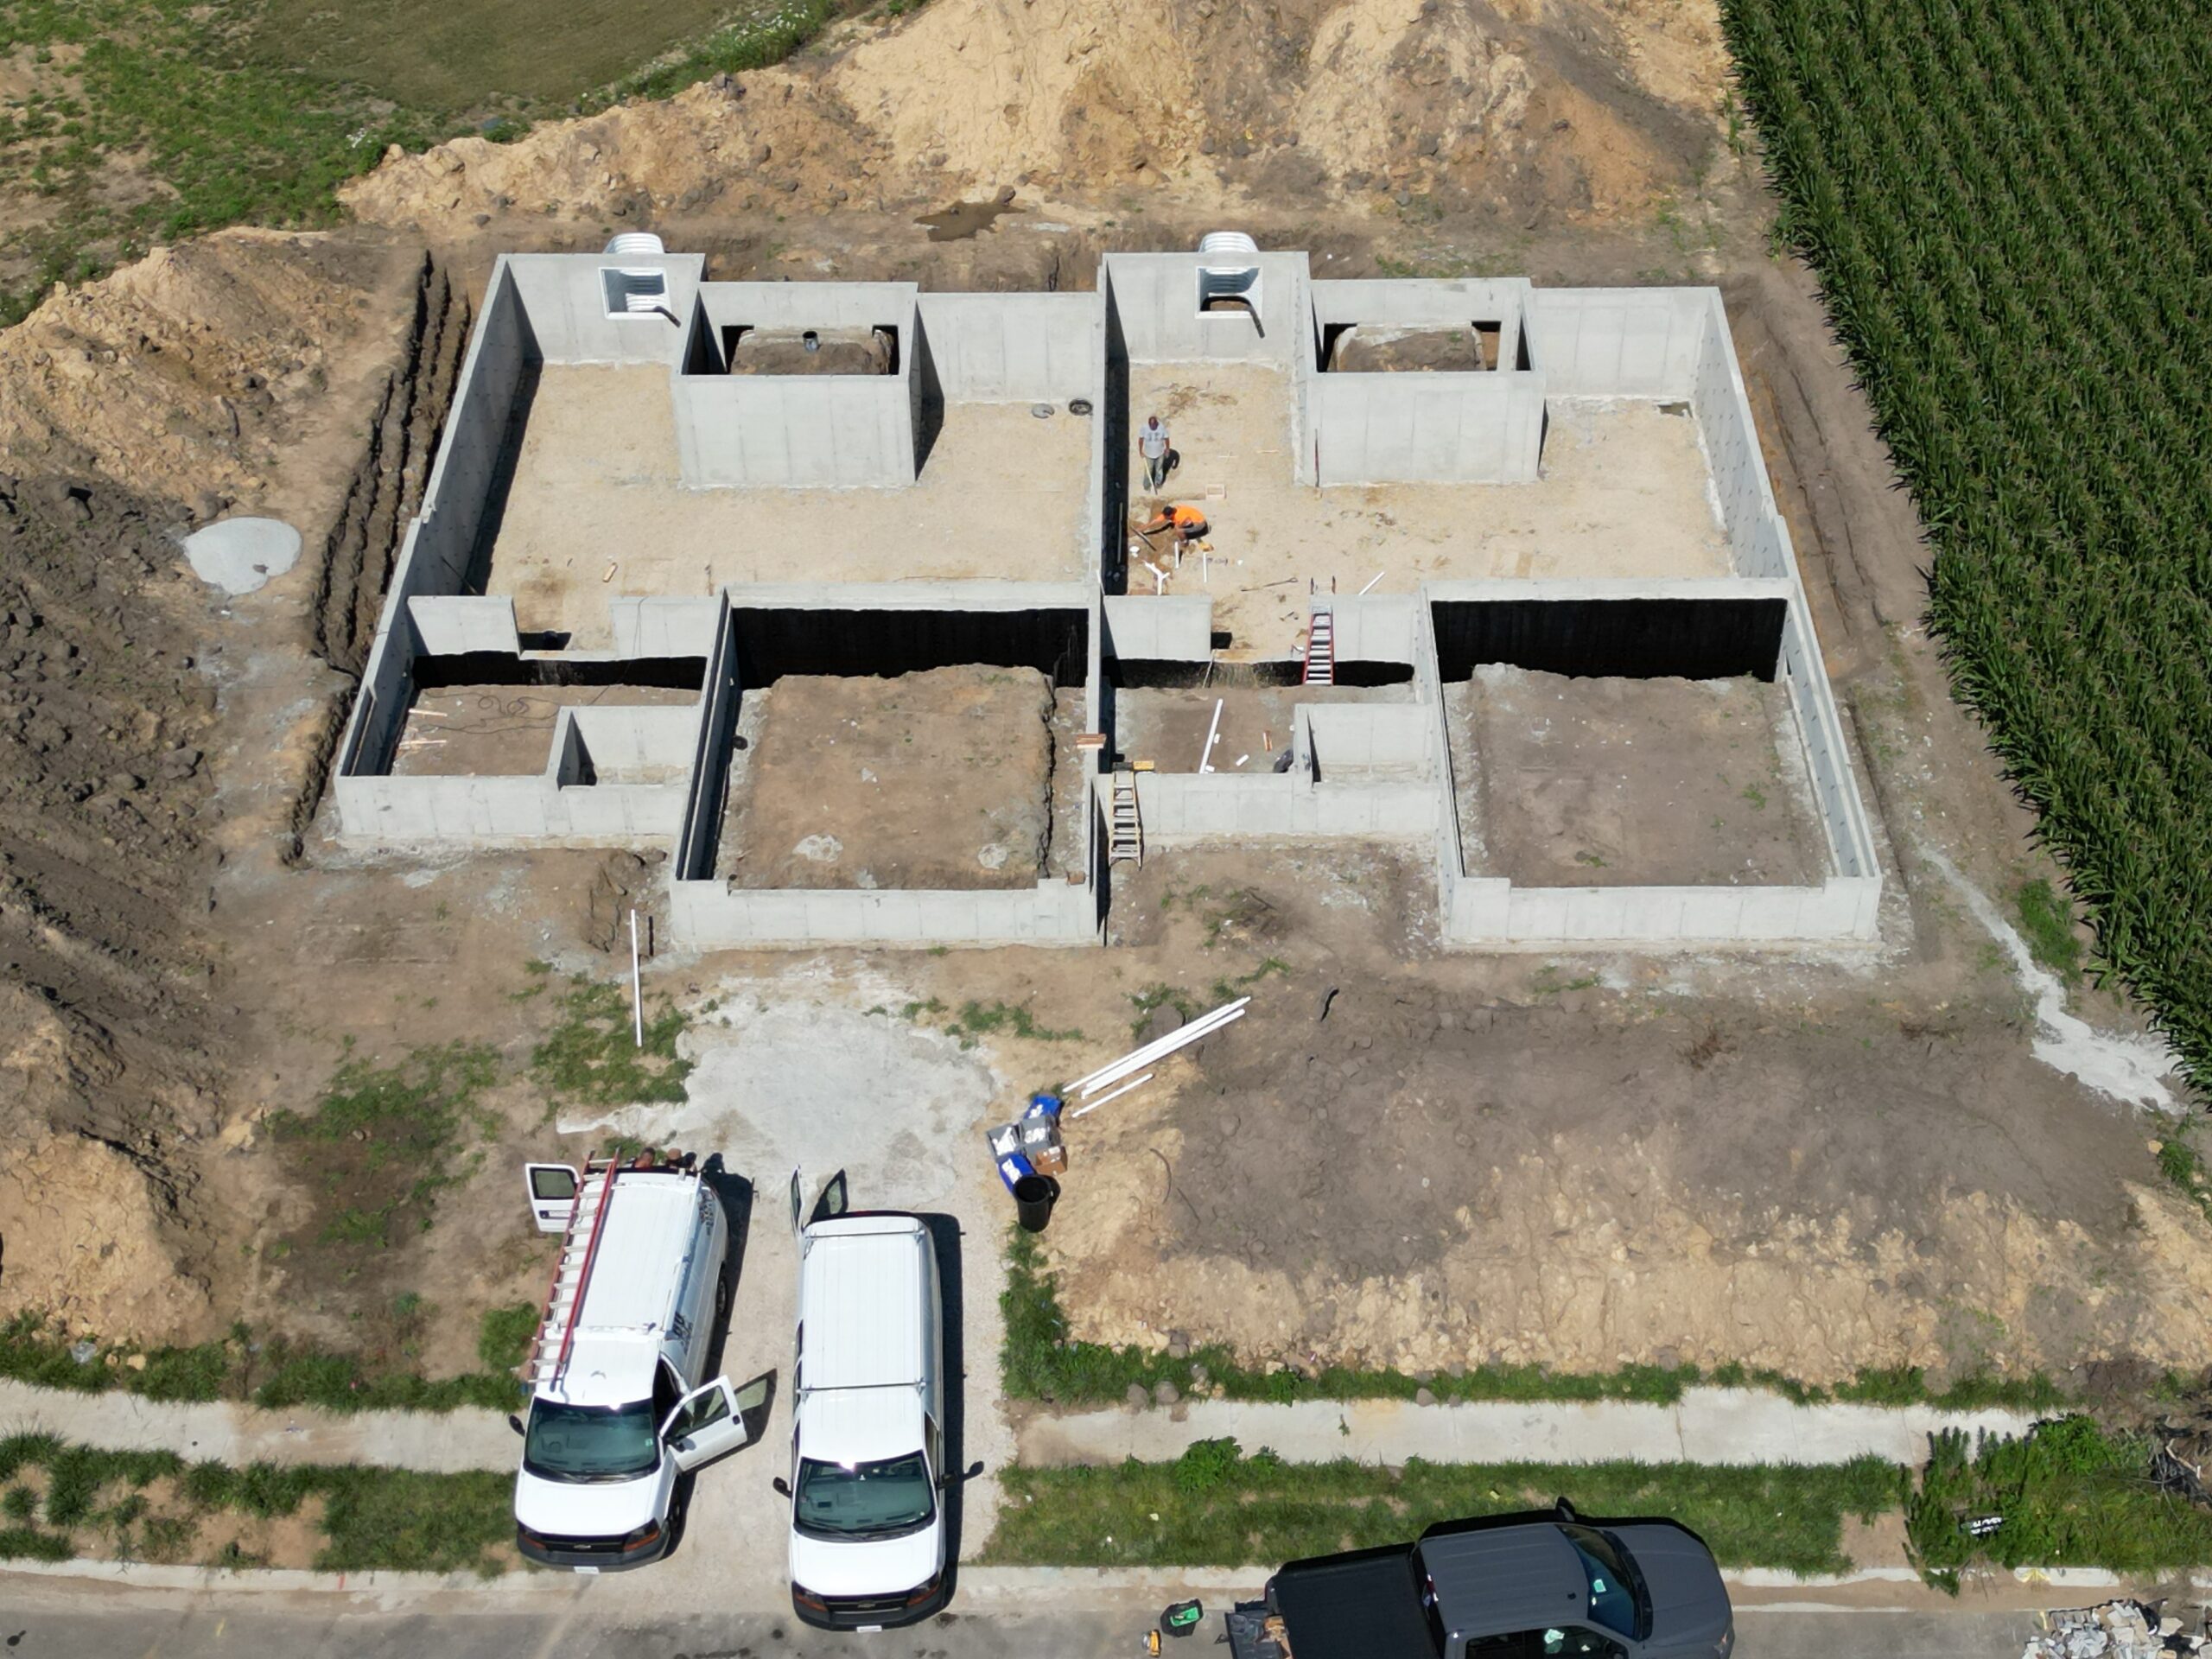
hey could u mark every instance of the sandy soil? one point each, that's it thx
(932, 780)
(597, 489)
(506, 731)
(1623, 493)
(1600, 782)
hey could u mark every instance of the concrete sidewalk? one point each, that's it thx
(1721, 1426)
(225, 1432)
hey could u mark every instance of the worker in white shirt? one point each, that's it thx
(1152, 444)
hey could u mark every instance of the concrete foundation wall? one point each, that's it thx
(1422, 302)
(566, 300)
(658, 737)
(666, 627)
(1358, 736)
(1161, 627)
(1416, 429)
(709, 782)
(1376, 627)
(710, 916)
(501, 352)
(1759, 543)
(1618, 342)
(1015, 348)
(1494, 914)
(760, 431)
(1183, 808)
(1843, 815)
(1156, 297)
(455, 625)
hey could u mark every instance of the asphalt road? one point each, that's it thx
(57, 1619)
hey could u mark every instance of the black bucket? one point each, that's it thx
(1034, 1196)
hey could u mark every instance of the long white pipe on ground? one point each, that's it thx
(1115, 1094)
(1138, 1059)
(1206, 755)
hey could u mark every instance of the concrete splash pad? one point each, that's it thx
(240, 556)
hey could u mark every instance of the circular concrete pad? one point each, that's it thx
(240, 555)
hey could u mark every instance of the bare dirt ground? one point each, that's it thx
(496, 731)
(1818, 1166)
(1169, 726)
(1594, 782)
(940, 779)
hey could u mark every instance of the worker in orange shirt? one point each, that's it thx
(1188, 523)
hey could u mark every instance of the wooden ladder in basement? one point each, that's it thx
(1321, 649)
(1125, 826)
(556, 1331)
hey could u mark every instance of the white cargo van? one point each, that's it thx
(618, 1408)
(868, 1441)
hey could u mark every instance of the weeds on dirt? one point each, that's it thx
(503, 1335)
(392, 1520)
(383, 1139)
(2180, 1163)
(1040, 1361)
(275, 1373)
(2047, 925)
(1216, 1507)
(592, 1058)
(2070, 1494)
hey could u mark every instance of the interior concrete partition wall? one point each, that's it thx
(712, 916)
(1427, 429)
(565, 297)
(1159, 627)
(1618, 342)
(649, 626)
(454, 624)
(796, 431)
(1190, 808)
(634, 737)
(1337, 737)
(1014, 348)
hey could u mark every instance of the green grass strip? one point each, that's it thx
(1040, 1362)
(1215, 1508)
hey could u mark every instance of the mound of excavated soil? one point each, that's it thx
(105, 1028)
(941, 780)
(1562, 108)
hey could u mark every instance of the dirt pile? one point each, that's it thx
(105, 1025)
(183, 377)
(1533, 111)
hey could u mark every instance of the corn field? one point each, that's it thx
(2007, 203)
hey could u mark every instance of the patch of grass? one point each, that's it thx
(2047, 925)
(754, 40)
(990, 1019)
(1214, 1507)
(503, 1335)
(592, 1058)
(383, 1138)
(1226, 989)
(1039, 1361)
(374, 1519)
(2071, 1494)
(20, 1504)
(1157, 996)
(275, 1373)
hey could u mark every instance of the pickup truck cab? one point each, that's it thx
(1520, 1586)
(618, 1409)
(867, 1473)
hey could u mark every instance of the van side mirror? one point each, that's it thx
(783, 1487)
(973, 1470)
(514, 1423)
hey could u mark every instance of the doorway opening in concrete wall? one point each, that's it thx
(802, 349)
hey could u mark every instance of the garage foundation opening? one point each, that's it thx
(1626, 743)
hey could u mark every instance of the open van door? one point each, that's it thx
(832, 1203)
(707, 1423)
(552, 1189)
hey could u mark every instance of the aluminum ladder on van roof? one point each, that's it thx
(565, 1300)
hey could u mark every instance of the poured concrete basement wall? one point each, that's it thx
(1160, 628)
(1425, 303)
(1014, 348)
(565, 298)
(1155, 296)
(1427, 429)
(455, 625)
(1618, 342)
(1181, 808)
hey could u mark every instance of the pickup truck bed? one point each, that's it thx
(1364, 1605)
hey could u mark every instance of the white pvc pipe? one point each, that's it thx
(636, 984)
(1160, 1046)
(1372, 579)
(1117, 1095)
(1206, 755)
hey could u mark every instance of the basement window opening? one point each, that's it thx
(632, 294)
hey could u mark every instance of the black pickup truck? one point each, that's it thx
(1519, 1587)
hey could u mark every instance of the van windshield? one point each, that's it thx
(590, 1442)
(864, 1500)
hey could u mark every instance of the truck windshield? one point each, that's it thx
(590, 1442)
(864, 1500)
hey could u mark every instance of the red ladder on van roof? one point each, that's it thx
(564, 1299)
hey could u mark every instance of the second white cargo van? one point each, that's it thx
(868, 1445)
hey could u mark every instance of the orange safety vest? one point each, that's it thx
(1185, 518)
